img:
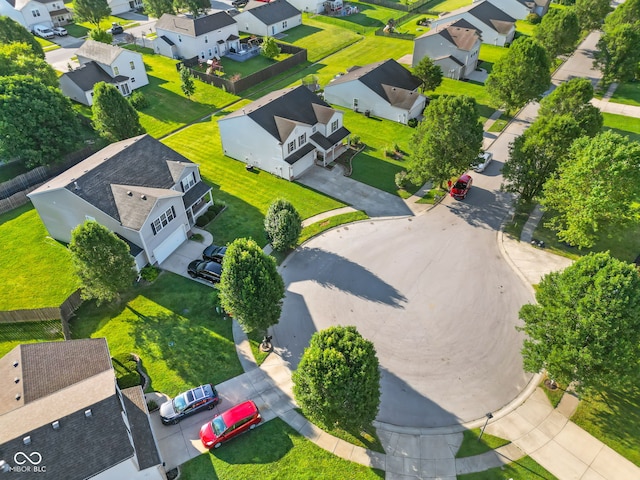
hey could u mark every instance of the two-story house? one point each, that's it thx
(454, 47)
(140, 189)
(204, 37)
(36, 12)
(284, 132)
(122, 6)
(100, 62)
(519, 9)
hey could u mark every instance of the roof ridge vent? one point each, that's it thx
(143, 196)
(16, 380)
(56, 425)
(15, 363)
(18, 397)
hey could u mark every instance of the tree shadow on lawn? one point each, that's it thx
(161, 99)
(300, 32)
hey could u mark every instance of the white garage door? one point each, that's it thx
(173, 241)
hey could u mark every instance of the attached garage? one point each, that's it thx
(173, 241)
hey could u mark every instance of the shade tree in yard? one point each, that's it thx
(92, 11)
(558, 32)
(591, 13)
(270, 48)
(282, 225)
(20, 59)
(12, 32)
(187, 85)
(429, 73)
(113, 116)
(156, 8)
(617, 55)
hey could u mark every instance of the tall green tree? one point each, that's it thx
(534, 156)
(37, 123)
(626, 12)
(102, 261)
(194, 7)
(558, 32)
(586, 325)
(187, 85)
(12, 32)
(596, 188)
(113, 116)
(618, 54)
(270, 48)
(591, 13)
(92, 11)
(100, 35)
(282, 225)
(522, 75)
(250, 287)
(337, 382)
(429, 73)
(20, 59)
(156, 8)
(573, 98)
(447, 140)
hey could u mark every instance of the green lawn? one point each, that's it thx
(174, 328)
(14, 334)
(628, 126)
(525, 28)
(370, 18)
(319, 39)
(36, 270)
(448, 5)
(318, 227)
(410, 25)
(627, 93)
(247, 194)
(524, 469)
(456, 87)
(470, 445)
(273, 451)
(490, 54)
(81, 29)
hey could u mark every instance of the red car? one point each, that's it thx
(230, 424)
(460, 189)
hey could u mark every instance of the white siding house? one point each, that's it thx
(27, 12)
(268, 19)
(311, 6)
(122, 6)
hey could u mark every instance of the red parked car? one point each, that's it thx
(460, 189)
(230, 424)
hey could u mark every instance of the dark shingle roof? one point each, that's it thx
(279, 111)
(272, 12)
(136, 407)
(100, 52)
(87, 75)
(194, 27)
(489, 14)
(463, 38)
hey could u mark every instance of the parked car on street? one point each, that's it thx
(60, 31)
(115, 29)
(461, 187)
(188, 403)
(214, 253)
(230, 424)
(483, 161)
(205, 269)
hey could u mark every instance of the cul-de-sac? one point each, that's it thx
(320, 239)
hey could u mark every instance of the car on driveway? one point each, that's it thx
(60, 31)
(115, 29)
(188, 403)
(461, 187)
(214, 253)
(227, 425)
(483, 161)
(206, 270)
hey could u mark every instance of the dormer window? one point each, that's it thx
(188, 182)
(334, 126)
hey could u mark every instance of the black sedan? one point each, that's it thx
(214, 253)
(188, 403)
(209, 271)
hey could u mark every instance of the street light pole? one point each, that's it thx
(489, 417)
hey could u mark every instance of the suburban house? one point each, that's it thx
(28, 13)
(454, 47)
(310, 6)
(284, 132)
(519, 9)
(100, 62)
(268, 19)
(143, 191)
(383, 89)
(496, 27)
(63, 416)
(122, 6)
(207, 37)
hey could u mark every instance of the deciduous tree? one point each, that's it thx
(447, 140)
(101, 36)
(586, 325)
(187, 85)
(156, 8)
(194, 7)
(626, 12)
(270, 48)
(113, 116)
(591, 13)
(20, 59)
(11, 32)
(338, 379)
(429, 73)
(520, 76)
(37, 123)
(558, 32)
(282, 225)
(102, 261)
(618, 54)
(251, 288)
(92, 11)
(595, 188)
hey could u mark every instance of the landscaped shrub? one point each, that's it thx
(152, 405)
(138, 100)
(126, 373)
(402, 179)
(534, 18)
(149, 273)
(413, 123)
(355, 140)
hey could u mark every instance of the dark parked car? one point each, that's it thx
(115, 29)
(460, 189)
(239, 3)
(214, 253)
(188, 403)
(207, 270)
(229, 424)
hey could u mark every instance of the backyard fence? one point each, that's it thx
(421, 5)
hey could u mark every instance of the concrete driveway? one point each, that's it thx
(189, 251)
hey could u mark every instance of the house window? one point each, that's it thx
(35, 13)
(125, 89)
(284, 24)
(291, 147)
(116, 71)
(210, 54)
(133, 80)
(313, 129)
(132, 65)
(302, 139)
(334, 126)
(206, 39)
(163, 220)
(188, 182)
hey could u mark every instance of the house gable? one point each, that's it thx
(194, 27)
(272, 12)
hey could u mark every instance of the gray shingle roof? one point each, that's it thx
(272, 12)
(492, 15)
(87, 75)
(194, 27)
(100, 52)
(462, 37)
(136, 407)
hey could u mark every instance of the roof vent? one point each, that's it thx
(27, 440)
(129, 193)
(76, 186)
(18, 397)
(143, 196)
(56, 425)
(4, 466)
(15, 363)
(87, 413)
(16, 380)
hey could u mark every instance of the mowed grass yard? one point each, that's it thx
(173, 326)
(319, 39)
(627, 126)
(456, 87)
(36, 270)
(273, 451)
(627, 93)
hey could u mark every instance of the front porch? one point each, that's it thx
(328, 149)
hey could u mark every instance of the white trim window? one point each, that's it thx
(35, 13)
(291, 146)
(116, 71)
(163, 220)
(334, 126)
(302, 139)
(188, 182)
(132, 65)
